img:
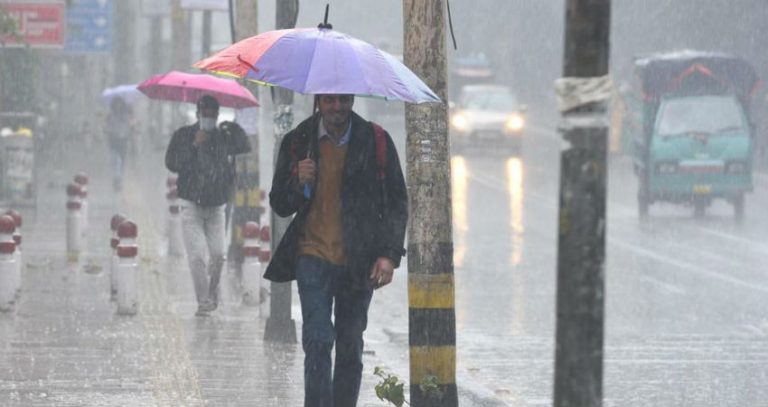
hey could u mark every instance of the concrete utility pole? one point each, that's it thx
(155, 55)
(581, 246)
(432, 320)
(280, 327)
(248, 201)
(124, 54)
(182, 58)
(207, 22)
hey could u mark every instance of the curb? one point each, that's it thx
(471, 392)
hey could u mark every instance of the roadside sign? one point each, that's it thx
(89, 26)
(40, 24)
(216, 5)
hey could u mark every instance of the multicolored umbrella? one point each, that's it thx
(319, 61)
(187, 87)
(128, 93)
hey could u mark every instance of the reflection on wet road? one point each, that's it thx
(685, 322)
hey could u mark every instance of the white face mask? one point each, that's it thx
(207, 123)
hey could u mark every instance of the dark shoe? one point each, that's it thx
(204, 310)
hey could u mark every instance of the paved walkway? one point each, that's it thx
(64, 345)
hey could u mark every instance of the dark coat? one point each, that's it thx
(374, 213)
(206, 175)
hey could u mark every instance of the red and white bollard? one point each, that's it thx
(82, 179)
(175, 239)
(127, 268)
(113, 261)
(251, 264)
(7, 263)
(17, 253)
(74, 223)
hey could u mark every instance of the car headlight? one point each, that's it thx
(515, 123)
(459, 122)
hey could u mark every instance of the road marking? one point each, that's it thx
(664, 285)
(688, 266)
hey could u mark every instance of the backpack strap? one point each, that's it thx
(381, 152)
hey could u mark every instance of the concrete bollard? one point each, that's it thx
(113, 260)
(7, 263)
(17, 253)
(82, 179)
(251, 264)
(74, 223)
(127, 269)
(175, 239)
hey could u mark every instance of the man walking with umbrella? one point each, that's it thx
(200, 154)
(341, 176)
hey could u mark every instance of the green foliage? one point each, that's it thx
(429, 386)
(7, 24)
(389, 389)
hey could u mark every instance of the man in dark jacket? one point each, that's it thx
(345, 240)
(200, 154)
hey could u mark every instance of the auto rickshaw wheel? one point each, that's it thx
(738, 207)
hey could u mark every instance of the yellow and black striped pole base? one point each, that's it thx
(432, 338)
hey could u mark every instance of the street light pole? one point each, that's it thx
(248, 204)
(280, 327)
(207, 27)
(431, 314)
(581, 246)
(180, 36)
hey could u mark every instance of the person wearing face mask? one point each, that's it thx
(200, 154)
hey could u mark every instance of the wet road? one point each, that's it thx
(686, 298)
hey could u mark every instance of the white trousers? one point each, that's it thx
(203, 229)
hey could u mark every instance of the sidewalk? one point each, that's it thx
(65, 345)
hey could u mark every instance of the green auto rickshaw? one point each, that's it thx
(694, 136)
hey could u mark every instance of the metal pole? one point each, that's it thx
(248, 205)
(155, 114)
(180, 34)
(581, 245)
(207, 20)
(280, 327)
(432, 320)
(125, 38)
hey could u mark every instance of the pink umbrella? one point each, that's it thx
(186, 87)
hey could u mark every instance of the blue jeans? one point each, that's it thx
(320, 282)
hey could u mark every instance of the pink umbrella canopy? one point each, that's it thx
(187, 87)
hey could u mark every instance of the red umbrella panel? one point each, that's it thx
(186, 87)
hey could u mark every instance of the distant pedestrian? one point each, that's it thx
(201, 155)
(341, 176)
(120, 129)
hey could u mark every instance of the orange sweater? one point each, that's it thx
(322, 235)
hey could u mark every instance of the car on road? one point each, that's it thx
(487, 116)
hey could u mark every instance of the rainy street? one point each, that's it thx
(685, 297)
